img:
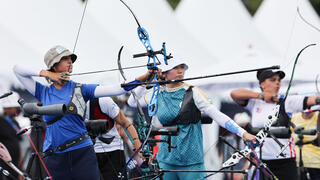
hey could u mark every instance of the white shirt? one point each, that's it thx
(111, 109)
(260, 110)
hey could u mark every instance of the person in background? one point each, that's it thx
(109, 146)
(261, 105)
(310, 147)
(8, 129)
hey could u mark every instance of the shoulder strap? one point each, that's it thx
(77, 105)
(92, 105)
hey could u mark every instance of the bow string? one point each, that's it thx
(144, 129)
(152, 61)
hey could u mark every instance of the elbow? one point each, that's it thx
(233, 95)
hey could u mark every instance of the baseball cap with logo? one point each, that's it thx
(55, 54)
(172, 63)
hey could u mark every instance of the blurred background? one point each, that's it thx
(211, 36)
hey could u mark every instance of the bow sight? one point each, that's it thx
(151, 53)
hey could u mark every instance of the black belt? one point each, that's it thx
(65, 146)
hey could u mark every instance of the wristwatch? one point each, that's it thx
(261, 96)
(317, 100)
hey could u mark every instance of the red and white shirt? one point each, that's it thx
(260, 110)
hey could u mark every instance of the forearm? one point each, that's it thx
(127, 125)
(134, 135)
(224, 121)
(242, 95)
(111, 90)
(314, 100)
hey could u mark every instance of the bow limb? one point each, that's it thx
(152, 61)
(304, 20)
(142, 133)
(293, 69)
(140, 111)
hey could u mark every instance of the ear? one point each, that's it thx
(262, 85)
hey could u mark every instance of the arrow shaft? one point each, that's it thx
(107, 70)
(199, 77)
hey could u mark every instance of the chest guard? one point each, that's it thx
(96, 113)
(77, 105)
(189, 113)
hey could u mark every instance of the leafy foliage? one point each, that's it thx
(252, 5)
(316, 5)
(173, 3)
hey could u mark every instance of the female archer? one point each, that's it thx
(68, 151)
(181, 104)
(261, 105)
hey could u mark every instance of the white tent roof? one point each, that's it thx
(280, 24)
(13, 51)
(224, 27)
(41, 24)
(158, 19)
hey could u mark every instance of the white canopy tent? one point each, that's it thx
(225, 29)
(158, 19)
(41, 24)
(280, 23)
(13, 51)
(230, 33)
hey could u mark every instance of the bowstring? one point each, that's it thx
(285, 56)
(80, 25)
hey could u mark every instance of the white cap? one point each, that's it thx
(10, 101)
(172, 63)
(55, 54)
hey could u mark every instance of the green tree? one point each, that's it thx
(316, 5)
(251, 5)
(173, 3)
